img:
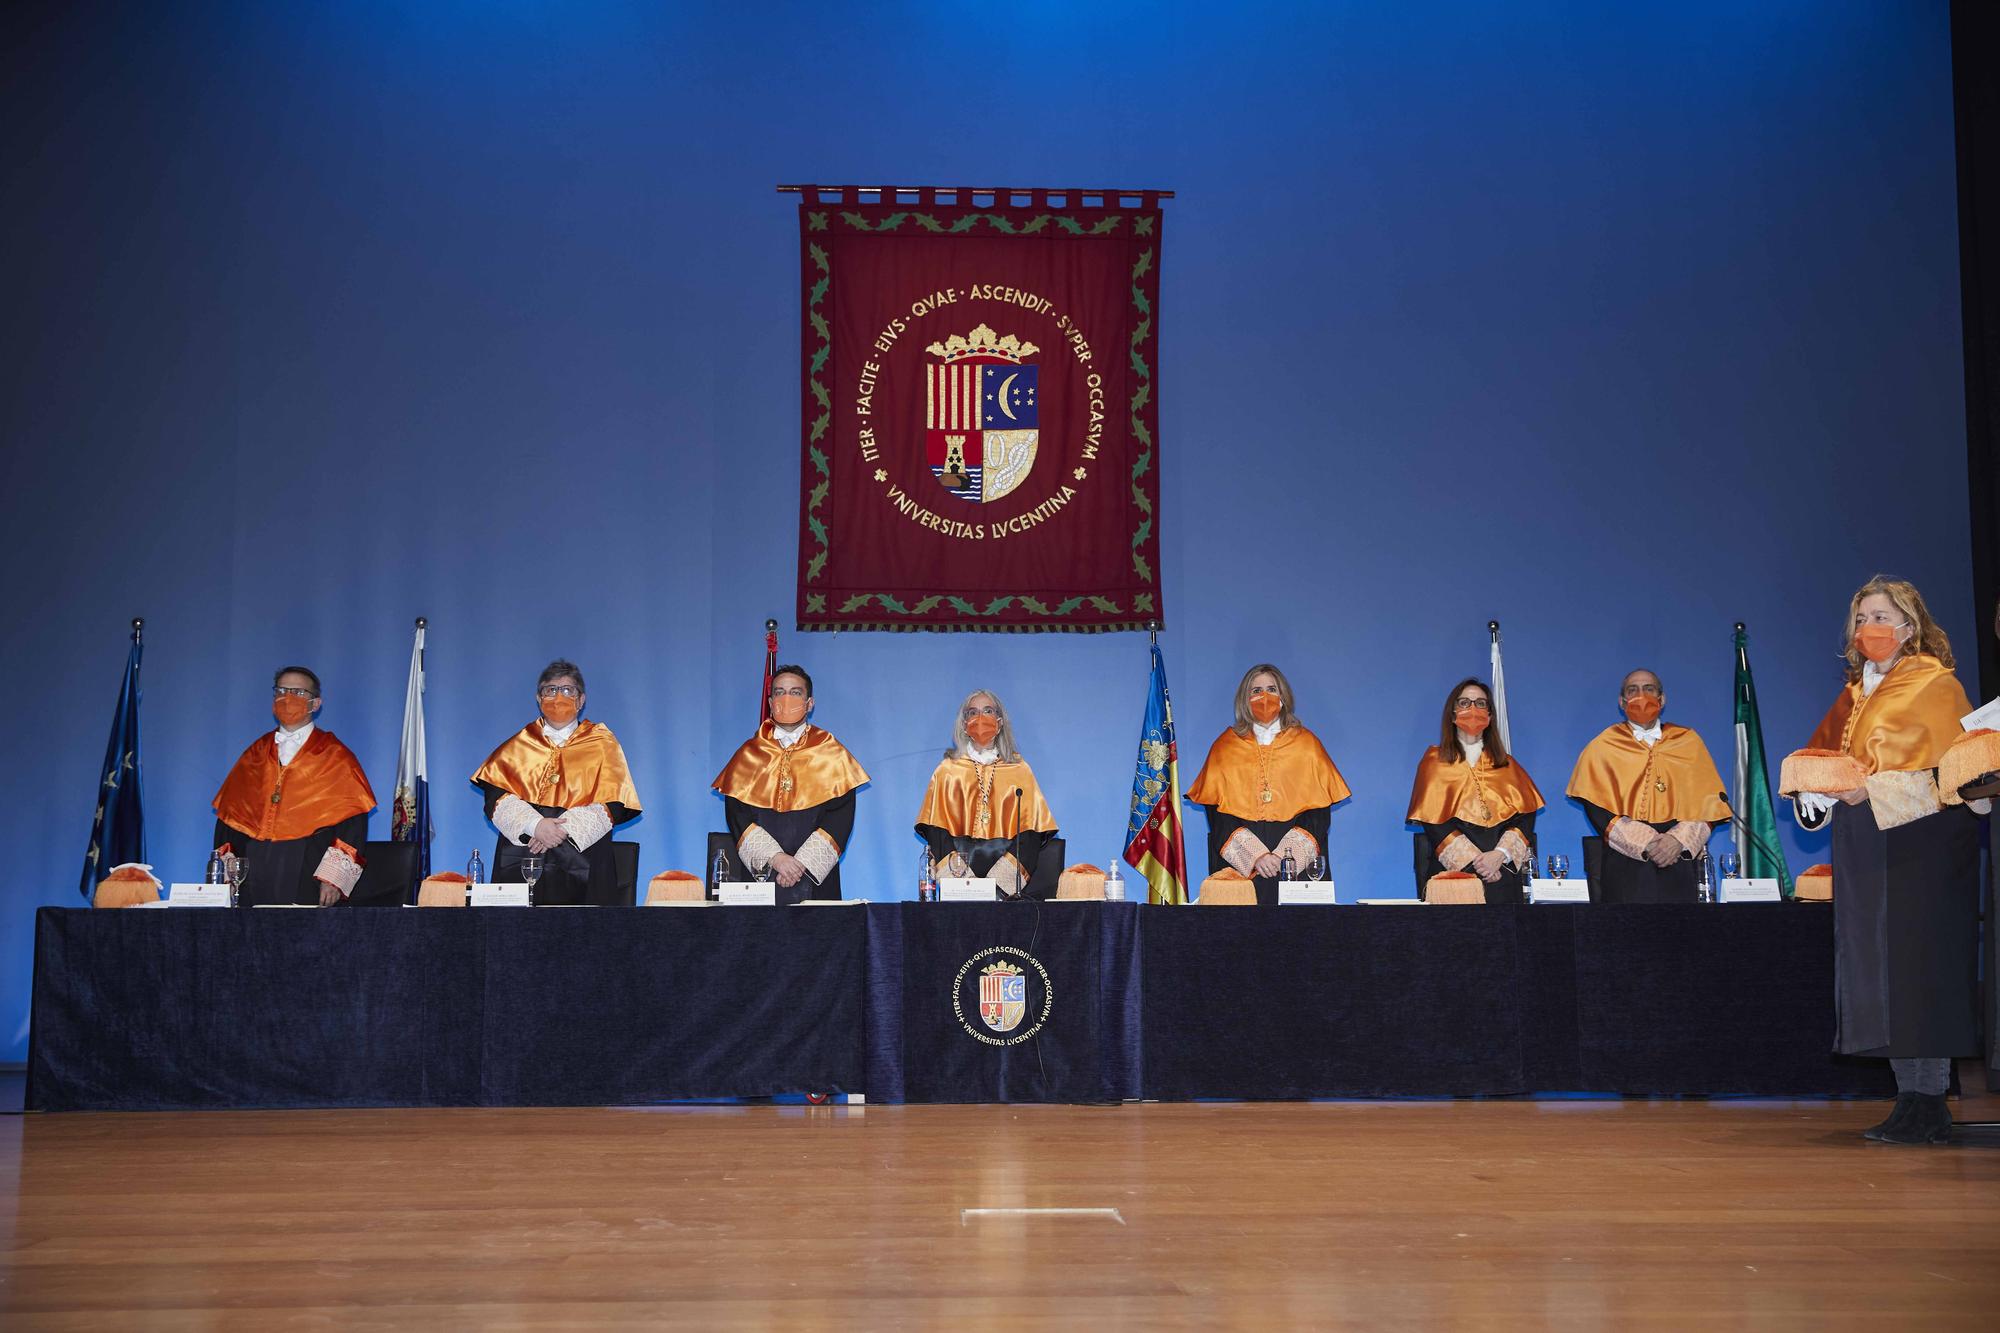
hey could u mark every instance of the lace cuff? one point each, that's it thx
(1902, 798)
(1514, 846)
(340, 867)
(820, 855)
(1691, 834)
(515, 818)
(585, 825)
(1629, 837)
(1300, 845)
(1241, 851)
(1457, 851)
(756, 848)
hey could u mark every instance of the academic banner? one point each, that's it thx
(981, 411)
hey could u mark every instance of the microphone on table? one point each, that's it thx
(1016, 844)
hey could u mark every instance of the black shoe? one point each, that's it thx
(1895, 1118)
(1929, 1121)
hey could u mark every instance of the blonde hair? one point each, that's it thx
(1003, 742)
(1926, 637)
(1287, 719)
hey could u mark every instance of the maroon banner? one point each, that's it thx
(980, 418)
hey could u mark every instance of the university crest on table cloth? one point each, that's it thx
(1003, 997)
(980, 423)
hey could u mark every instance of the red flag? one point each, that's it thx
(770, 666)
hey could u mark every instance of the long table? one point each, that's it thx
(1091, 1002)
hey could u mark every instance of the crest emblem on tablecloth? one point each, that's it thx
(981, 413)
(1003, 996)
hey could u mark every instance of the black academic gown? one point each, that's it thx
(282, 872)
(1512, 886)
(569, 877)
(790, 829)
(1627, 879)
(1222, 827)
(982, 854)
(1906, 934)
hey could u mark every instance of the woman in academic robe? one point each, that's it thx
(1476, 803)
(1269, 786)
(555, 789)
(1651, 791)
(295, 805)
(1905, 864)
(983, 813)
(788, 795)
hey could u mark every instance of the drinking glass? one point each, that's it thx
(1317, 868)
(1558, 866)
(1730, 864)
(238, 865)
(531, 870)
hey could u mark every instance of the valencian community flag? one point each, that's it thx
(411, 821)
(1154, 846)
(118, 834)
(1754, 824)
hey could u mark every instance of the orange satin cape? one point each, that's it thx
(1476, 793)
(1905, 726)
(969, 800)
(816, 769)
(590, 770)
(1670, 780)
(1264, 782)
(274, 802)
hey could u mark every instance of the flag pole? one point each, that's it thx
(138, 627)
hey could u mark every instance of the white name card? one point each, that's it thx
(1306, 893)
(498, 895)
(1558, 890)
(1751, 891)
(746, 893)
(1986, 715)
(197, 895)
(952, 890)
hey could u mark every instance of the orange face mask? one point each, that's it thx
(559, 711)
(1877, 643)
(1265, 707)
(788, 710)
(1643, 709)
(1472, 721)
(291, 711)
(981, 729)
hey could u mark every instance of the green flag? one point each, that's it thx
(1754, 825)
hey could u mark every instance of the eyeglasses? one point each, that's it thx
(1471, 706)
(291, 692)
(986, 711)
(558, 692)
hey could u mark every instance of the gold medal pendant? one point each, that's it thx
(1659, 784)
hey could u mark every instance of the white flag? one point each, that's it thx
(1500, 692)
(412, 819)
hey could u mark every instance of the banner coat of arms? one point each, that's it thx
(980, 416)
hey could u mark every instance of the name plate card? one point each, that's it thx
(498, 895)
(746, 893)
(197, 895)
(952, 890)
(1751, 891)
(1306, 893)
(1986, 715)
(1558, 890)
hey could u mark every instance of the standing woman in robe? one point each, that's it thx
(1474, 800)
(1268, 784)
(983, 815)
(1905, 866)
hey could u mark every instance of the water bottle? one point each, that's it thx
(1288, 869)
(217, 873)
(718, 873)
(1705, 891)
(475, 869)
(927, 885)
(1114, 884)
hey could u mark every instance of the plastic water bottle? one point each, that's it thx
(927, 885)
(475, 869)
(1288, 869)
(1114, 884)
(719, 872)
(217, 873)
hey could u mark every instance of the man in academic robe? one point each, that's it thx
(295, 805)
(1653, 794)
(555, 789)
(788, 795)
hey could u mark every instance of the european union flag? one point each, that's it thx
(1007, 398)
(118, 834)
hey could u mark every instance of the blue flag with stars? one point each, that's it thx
(118, 834)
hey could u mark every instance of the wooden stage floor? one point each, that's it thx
(1572, 1214)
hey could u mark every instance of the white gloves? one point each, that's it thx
(1816, 805)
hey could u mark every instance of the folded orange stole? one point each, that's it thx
(1268, 782)
(274, 802)
(1905, 726)
(1670, 780)
(589, 770)
(816, 769)
(951, 801)
(1441, 792)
